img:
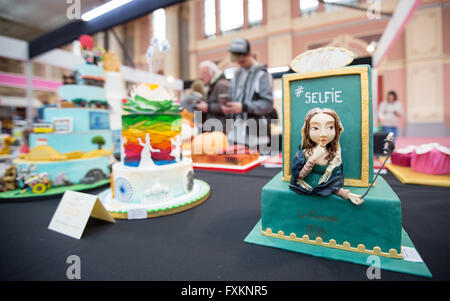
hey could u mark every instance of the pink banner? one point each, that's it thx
(20, 81)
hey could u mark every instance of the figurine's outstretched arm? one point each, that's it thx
(140, 142)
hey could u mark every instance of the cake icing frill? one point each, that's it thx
(150, 99)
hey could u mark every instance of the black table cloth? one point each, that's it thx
(204, 243)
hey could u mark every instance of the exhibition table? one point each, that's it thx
(204, 243)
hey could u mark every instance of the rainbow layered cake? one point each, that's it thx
(152, 175)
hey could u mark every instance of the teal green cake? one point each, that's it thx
(330, 221)
(374, 227)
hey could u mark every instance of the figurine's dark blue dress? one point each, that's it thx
(335, 181)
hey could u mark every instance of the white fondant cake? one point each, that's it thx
(152, 185)
(152, 175)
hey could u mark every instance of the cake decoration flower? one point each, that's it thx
(150, 99)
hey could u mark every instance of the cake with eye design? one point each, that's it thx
(152, 177)
(326, 201)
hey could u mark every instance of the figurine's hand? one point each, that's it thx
(318, 152)
(355, 199)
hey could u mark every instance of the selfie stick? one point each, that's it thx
(388, 149)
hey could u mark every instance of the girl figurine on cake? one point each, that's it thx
(317, 166)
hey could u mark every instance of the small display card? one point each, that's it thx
(411, 254)
(73, 212)
(138, 213)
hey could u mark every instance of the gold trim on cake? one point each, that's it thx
(332, 244)
(363, 181)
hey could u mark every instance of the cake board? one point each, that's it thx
(407, 175)
(390, 264)
(228, 167)
(52, 192)
(197, 196)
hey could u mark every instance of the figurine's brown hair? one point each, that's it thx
(308, 144)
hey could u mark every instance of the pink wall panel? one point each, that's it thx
(447, 94)
(446, 28)
(258, 47)
(357, 28)
(212, 55)
(397, 51)
(20, 81)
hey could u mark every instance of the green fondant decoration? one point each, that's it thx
(139, 104)
(163, 122)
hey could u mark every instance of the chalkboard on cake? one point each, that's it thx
(347, 91)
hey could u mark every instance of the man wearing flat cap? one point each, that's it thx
(250, 93)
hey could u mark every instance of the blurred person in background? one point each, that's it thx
(195, 95)
(390, 112)
(25, 141)
(250, 94)
(45, 100)
(216, 91)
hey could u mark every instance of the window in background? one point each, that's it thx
(209, 14)
(159, 24)
(255, 12)
(330, 7)
(231, 15)
(308, 7)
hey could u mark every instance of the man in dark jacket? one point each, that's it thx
(250, 94)
(216, 88)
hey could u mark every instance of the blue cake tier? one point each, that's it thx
(82, 92)
(334, 221)
(89, 70)
(83, 119)
(76, 171)
(78, 141)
